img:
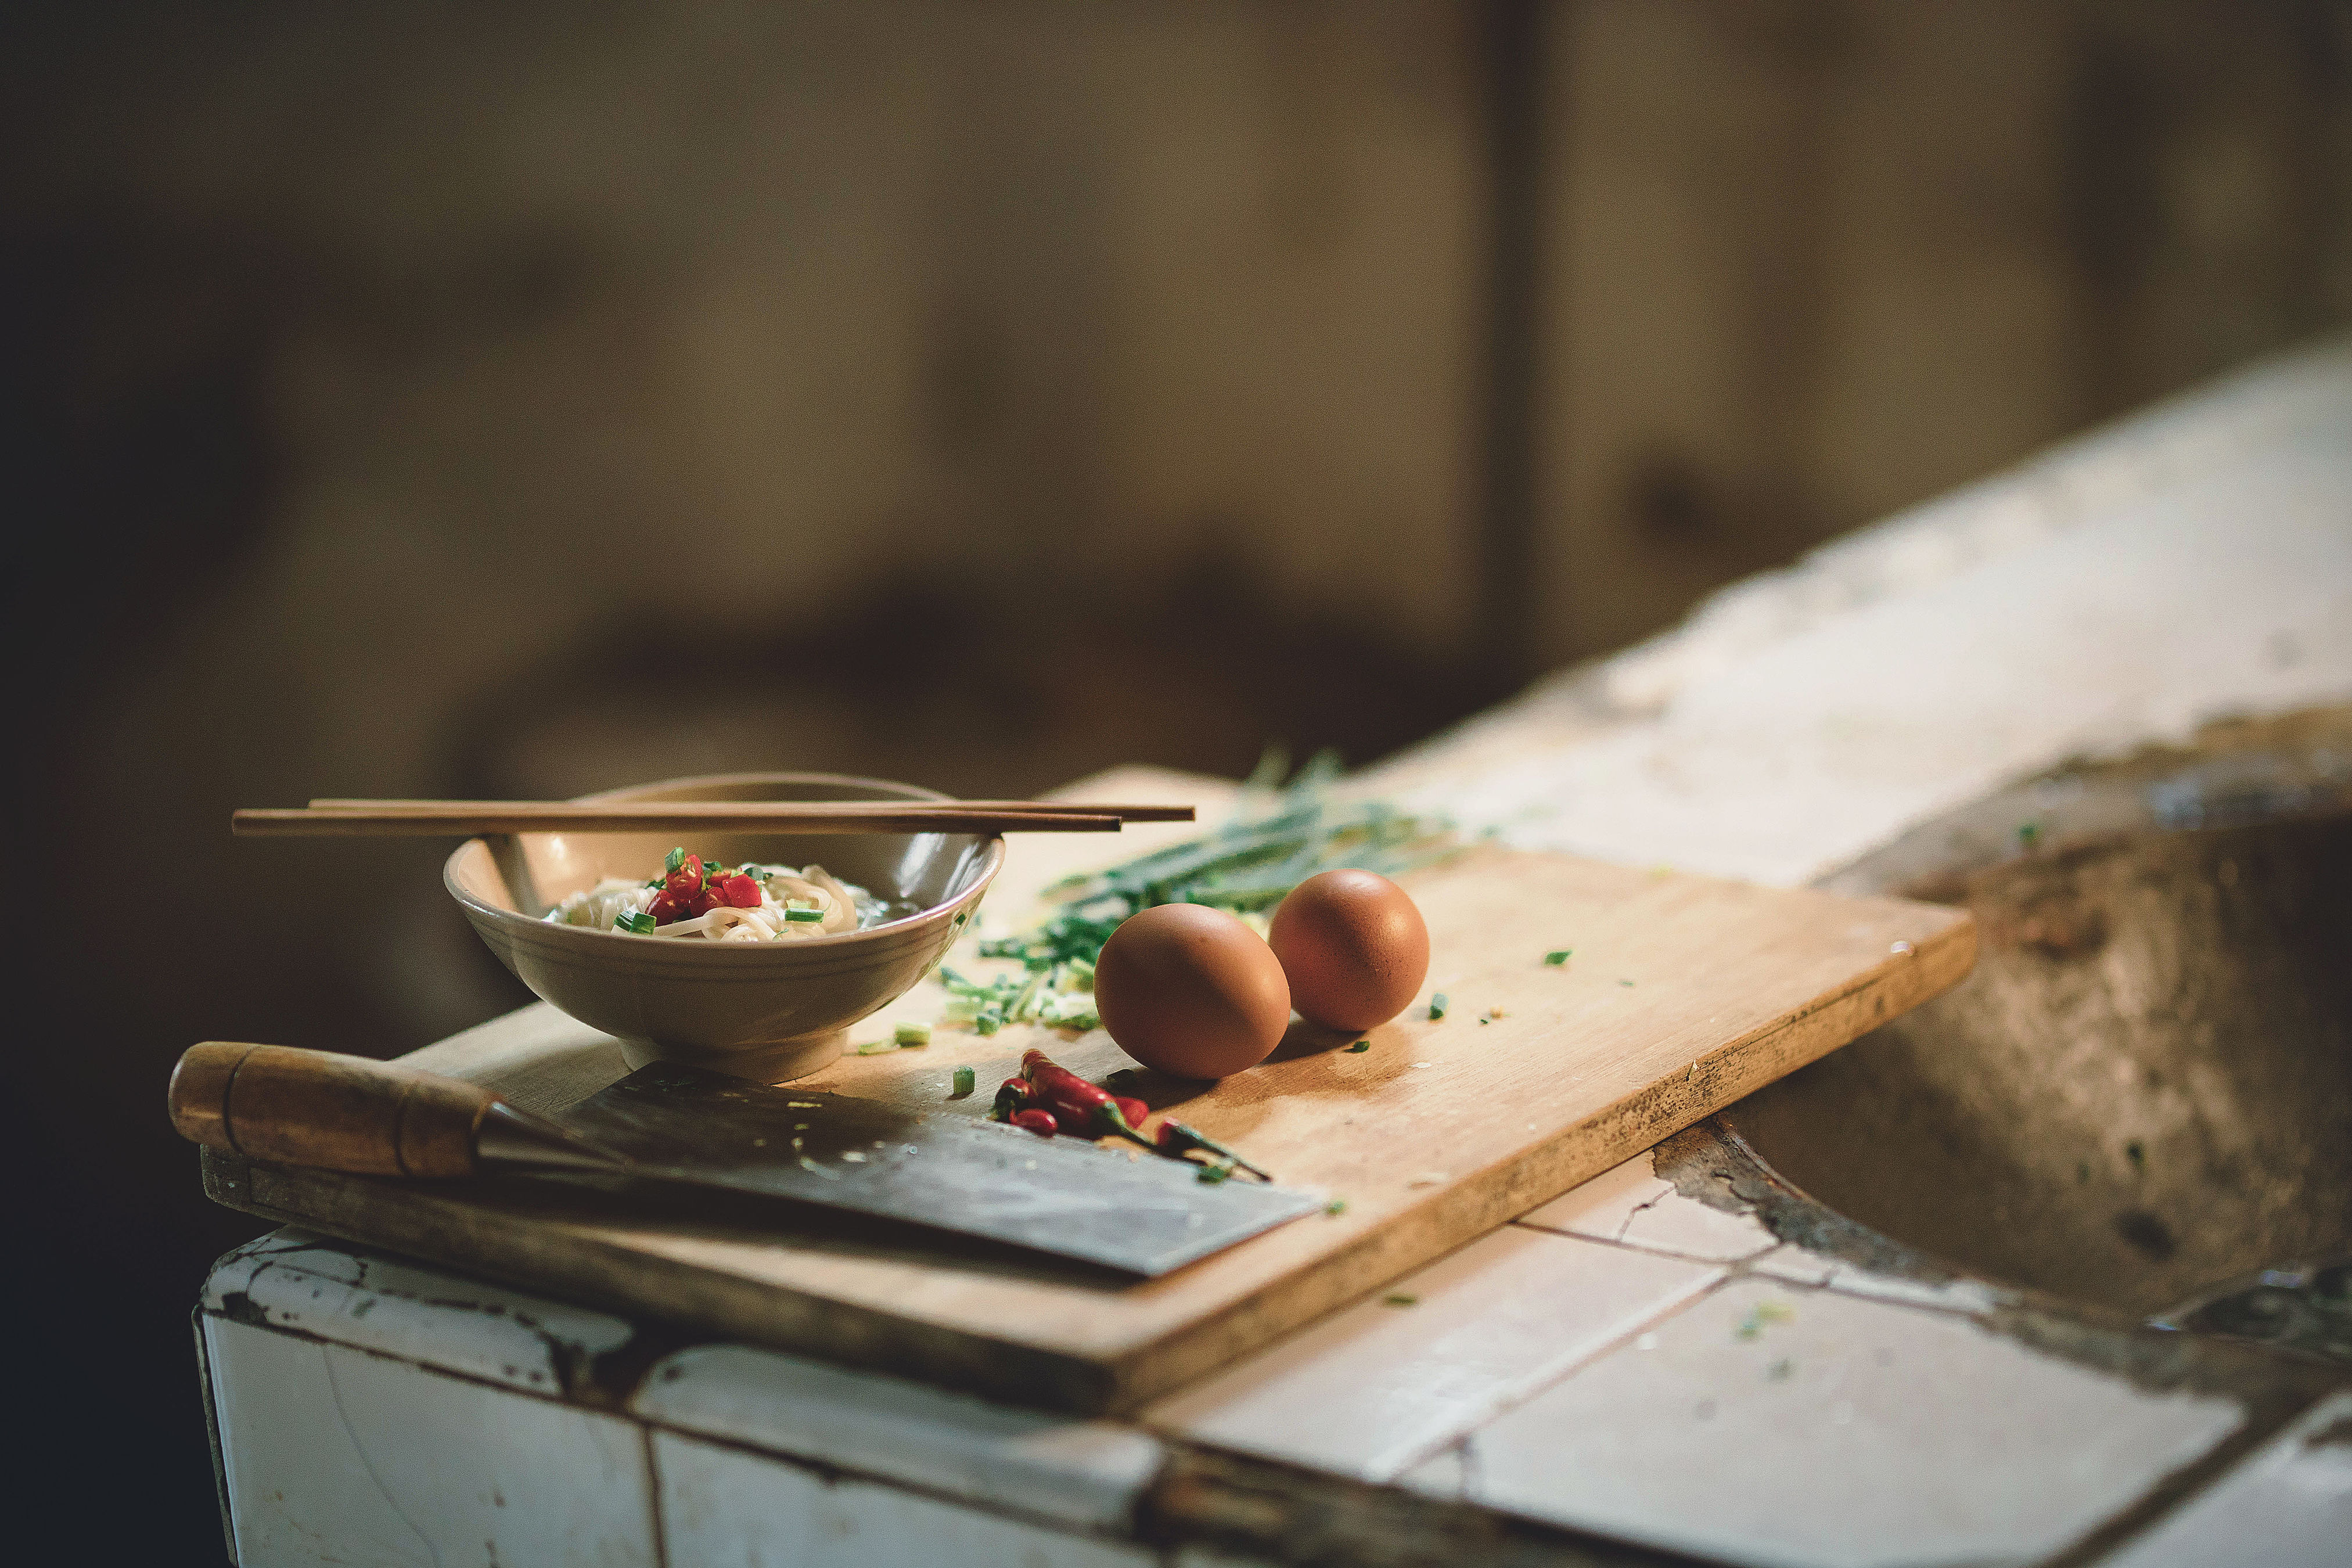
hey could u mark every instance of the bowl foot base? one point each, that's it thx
(775, 1061)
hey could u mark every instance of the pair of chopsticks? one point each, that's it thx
(463, 818)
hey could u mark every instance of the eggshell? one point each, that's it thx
(1192, 991)
(1353, 947)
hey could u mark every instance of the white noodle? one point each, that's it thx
(842, 906)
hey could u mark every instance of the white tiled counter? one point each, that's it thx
(1705, 1393)
(1626, 1375)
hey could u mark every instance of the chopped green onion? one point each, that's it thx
(637, 921)
(965, 1081)
(1361, 1046)
(1213, 1175)
(802, 916)
(676, 862)
(2027, 834)
(1246, 867)
(963, 1009)
(1437, 1006)
(1336, 1206)
(1273, 767)
(1560, 956)
(1025, 1001)
(877, 1047)
(990, 1020)
(913, 1035)
(1624, 983)
(1400, 1298)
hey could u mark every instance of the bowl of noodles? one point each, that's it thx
(749, 953)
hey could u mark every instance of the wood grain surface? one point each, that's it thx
(1684, 994)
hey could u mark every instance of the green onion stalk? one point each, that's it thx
(1247, 866)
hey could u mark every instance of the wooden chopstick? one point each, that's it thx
(656, 816)
(1026, 807)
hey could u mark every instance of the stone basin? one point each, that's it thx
(2142, 1098)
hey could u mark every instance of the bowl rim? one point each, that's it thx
(992, 862)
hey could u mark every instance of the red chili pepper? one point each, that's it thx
(686, 880)
(1079, 1105)
(1175, 1137)
(1012, 1095)
(703, 902)
(741, 891)
(1135, 1110)
(1040, 1123)
(666, 907)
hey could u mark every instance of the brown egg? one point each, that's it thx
(1353, 947)
(1192, 991)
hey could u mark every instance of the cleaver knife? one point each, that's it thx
(960, 1175)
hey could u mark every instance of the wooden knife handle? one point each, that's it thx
(334, 1112)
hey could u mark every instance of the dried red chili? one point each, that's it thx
(1012, 1095)
(1079, 1106)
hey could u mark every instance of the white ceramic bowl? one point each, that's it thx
(769, 1011)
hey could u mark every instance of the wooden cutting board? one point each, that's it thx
(1684, 994)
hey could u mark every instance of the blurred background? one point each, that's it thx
(517, 400)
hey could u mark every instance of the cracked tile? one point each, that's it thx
(1081, 1472)
(1632, 1205)
(721, 1508)
(1372, 1388)
(2288, 1505)
(1798, 1266)
(1805, 1429)
(1602, 1207)
(381, 1304)
(330, 1455)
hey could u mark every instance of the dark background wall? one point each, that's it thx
(515, 400)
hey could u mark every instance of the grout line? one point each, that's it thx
(1832, 1284)
(653, 1515)
(1649, 1251)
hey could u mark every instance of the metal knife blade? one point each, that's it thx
(961, 1174)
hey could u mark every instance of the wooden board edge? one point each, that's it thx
(516, 1250)
(1502, 1193)
(444, 1229)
